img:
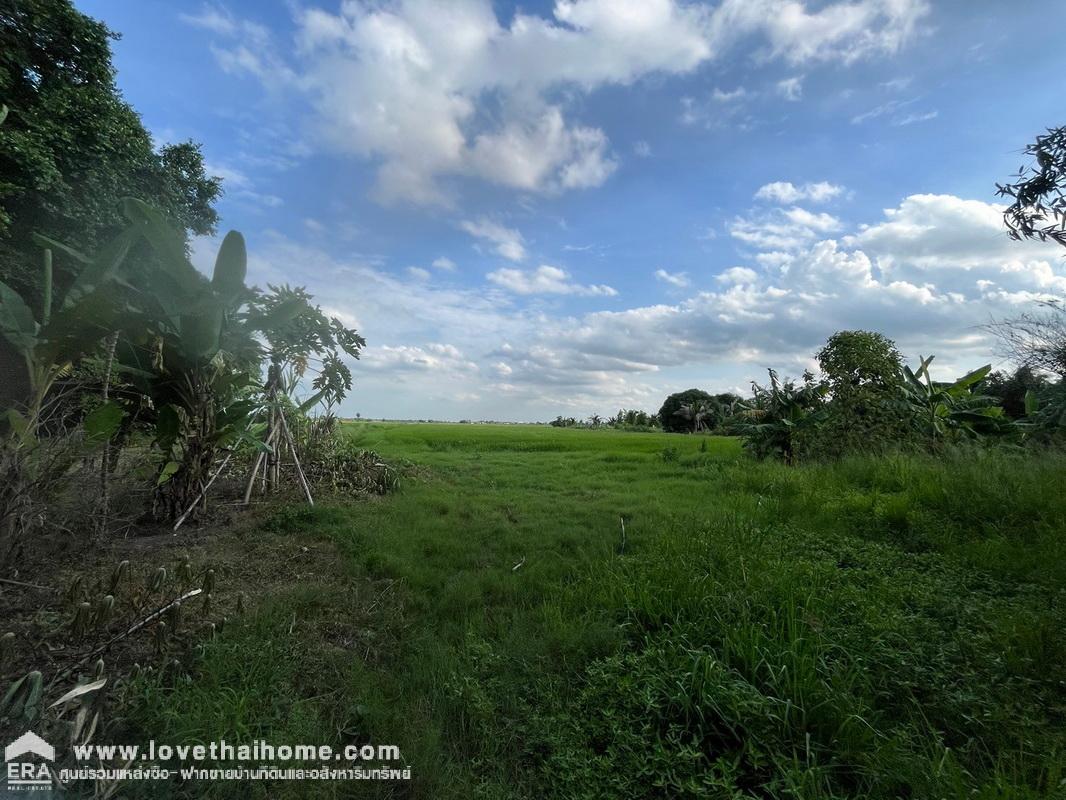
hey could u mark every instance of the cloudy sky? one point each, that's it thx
(567, 208)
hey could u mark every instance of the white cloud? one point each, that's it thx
(431, 91)
(679, 279)
(927, 272)
(542, 154)
(791, 88)
(214, 19)
(928, 275)
(444, 264)
(897, 84)
(545, 279)
(783, 229)
(896, 110)
(840, 31)
(821, 222)
(419, 274)
(738, 275)
(507, 242)
(785, 192)
(723, 96)
(237, 185)
(910, 119)
(433, 357)
(641, 149)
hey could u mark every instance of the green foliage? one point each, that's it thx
(671, 416)
(335, 463)
(854, 360)
(941, 411)
(864, 414)
(1037, 210)
(296, 330)
(780, 414)
(71, 147)
(1045, 410)
(633, 419)
(49, 344)
(1011, 389)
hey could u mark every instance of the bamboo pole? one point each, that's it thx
(203, 492)
(255, 470)
(296, 460)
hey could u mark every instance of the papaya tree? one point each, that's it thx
(201, 352)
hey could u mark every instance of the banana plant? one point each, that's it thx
(778, 413)
(65, 329)
(192, 357)
(943, 409)
(49, 343)
(1045, 412)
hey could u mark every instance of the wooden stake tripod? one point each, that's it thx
(266, 461)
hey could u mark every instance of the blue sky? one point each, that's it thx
(572, 207)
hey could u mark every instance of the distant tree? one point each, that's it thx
(863, 372)
(668, 414)
(852, 360)
(696, 412)
(1010, 389)
(71, 147)
(1039, 192)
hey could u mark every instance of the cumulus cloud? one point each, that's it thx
(507, 242)
(927, 272)
(786, 192)
(678, 279)
(545, 279)
(445, 264)
(434, 357)
(431, 91)
(738, 275)
(783, 229)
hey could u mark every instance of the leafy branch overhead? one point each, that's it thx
(1039, 193)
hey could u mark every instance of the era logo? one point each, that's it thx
(25, 774)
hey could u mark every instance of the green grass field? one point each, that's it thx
(873, 628)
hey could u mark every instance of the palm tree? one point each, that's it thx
(696, 412)
(595, 420)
